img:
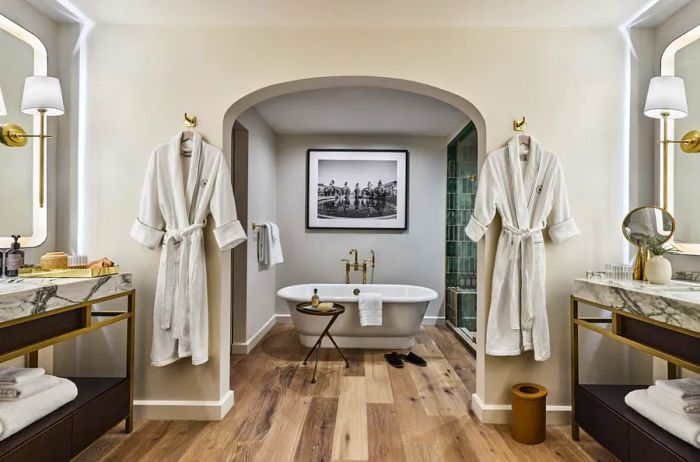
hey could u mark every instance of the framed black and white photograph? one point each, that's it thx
(357, 189)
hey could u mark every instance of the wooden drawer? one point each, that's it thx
(603, 424)
(644, 448)
(17, 336)
(676, 343)
(99, 415)
(52, 444)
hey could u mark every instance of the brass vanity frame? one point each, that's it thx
(31, 350)
(616, 333)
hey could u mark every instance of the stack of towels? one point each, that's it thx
(673, 405)
(27, 395)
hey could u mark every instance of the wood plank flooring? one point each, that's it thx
(367, 412)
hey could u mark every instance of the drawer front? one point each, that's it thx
(99, 415)
(644, 448)
(670, 341)
(52, 444)
(20, 335)
(603, 424)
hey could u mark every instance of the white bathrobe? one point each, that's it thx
(529, 195)
(173, 213)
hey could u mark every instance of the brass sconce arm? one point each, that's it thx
(15, 136)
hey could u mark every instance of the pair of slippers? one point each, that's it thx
(396, 360)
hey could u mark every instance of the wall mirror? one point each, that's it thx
(23, 55)
(644, 227)
(682, 59)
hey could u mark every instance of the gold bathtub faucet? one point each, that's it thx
(357, 266)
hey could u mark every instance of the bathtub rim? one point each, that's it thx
(430, 295)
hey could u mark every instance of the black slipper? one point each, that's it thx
(414, 359)
(393, 359)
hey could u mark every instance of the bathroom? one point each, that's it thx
(434, 89)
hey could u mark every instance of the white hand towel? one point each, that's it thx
(15, 415)
(681, 388)
(684, 426)
(370, 308)
(19, 375)
(664, 398)
(14, 392)
(274, 244)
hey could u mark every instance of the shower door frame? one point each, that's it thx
(463, 334)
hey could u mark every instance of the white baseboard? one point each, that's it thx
(433, 320)
(500, 413)
(153, 409)
(283, 317)
(243, 348)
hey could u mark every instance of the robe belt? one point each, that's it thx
(176, 288)
(516, 236)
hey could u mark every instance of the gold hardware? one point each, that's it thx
(519, 125)
(190, 121)
(690, 143)
(256, 226)
(13, 135)
(357, 266)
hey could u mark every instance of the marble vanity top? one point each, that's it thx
(21, 297)
(676, 303)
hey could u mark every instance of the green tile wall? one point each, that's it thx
(460, 261)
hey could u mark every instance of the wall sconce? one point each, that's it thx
(42, 96)
(666, 100)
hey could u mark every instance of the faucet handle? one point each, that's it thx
(345, 260)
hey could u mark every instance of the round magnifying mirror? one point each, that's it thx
(646, 226)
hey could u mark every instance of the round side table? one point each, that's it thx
(333, 313)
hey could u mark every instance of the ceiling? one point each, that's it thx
(366, 110)
(331, 13)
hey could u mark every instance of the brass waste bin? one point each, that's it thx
(529, 415)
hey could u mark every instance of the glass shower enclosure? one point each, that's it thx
(460, 252)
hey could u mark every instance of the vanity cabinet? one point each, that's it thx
(26, 327)
(665, 324)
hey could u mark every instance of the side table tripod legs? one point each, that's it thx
(317, 347)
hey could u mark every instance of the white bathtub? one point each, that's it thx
(403, 310)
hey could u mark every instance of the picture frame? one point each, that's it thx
(363, 189)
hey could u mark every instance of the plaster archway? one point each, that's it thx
(294, 86)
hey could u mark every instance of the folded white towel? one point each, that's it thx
(19, 375)
(665, 398)
(684, 426)
(15, 415)
(681, 388)
(370, 308)
(14, 392)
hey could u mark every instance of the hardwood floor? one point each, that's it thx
(368, 412)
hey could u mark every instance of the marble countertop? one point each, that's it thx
(676, 303)
(21, 297)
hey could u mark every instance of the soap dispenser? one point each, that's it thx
(14, 258)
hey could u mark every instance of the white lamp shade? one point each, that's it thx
(42, 93)
(666, 95)
(3, 109)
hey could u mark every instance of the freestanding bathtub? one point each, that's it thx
(403, 308)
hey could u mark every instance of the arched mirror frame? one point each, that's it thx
(668, 67)
(39, 214)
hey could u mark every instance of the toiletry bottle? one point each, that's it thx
(14, 258)
(315, 300)
(2, 263)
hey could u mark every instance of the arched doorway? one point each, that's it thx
(235, 139)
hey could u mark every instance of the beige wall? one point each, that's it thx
(568, 82)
